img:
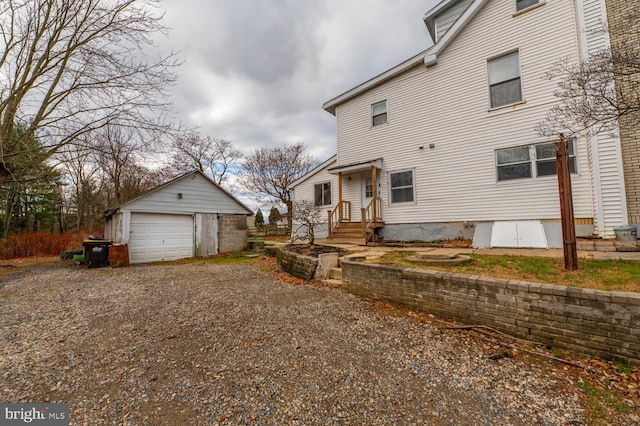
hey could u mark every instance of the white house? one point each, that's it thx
(444, 144)
(185, 217)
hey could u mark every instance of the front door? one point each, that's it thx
(367, 189)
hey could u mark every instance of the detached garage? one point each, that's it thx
(186, 217)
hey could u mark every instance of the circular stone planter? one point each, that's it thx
(440, 259)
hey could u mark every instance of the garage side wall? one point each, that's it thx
(232, 232)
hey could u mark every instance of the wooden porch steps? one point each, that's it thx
(351, 233)
(348, 233)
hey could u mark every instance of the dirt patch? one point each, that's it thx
(312, 251)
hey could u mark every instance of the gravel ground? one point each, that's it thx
(204, 344)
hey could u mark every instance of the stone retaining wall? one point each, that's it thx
(298, 265)
(608, 245)
(600, 323)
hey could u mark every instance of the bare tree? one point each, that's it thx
(271, 171)
(307, 217)
(70, 67)
(83, 189)
(118, 151)
(215, 157)
(596, 92)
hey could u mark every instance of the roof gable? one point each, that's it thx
(316, 170)
(427, 58)
(191, 192)
(443, 16)
(431, 57)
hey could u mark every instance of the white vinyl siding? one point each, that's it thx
(446, 19)
(607, 180)
(593, 24)
(446, 105)
(306, 189)
(198, 195)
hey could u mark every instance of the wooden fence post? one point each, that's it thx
(566, 206)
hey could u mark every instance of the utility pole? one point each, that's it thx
(566, 206)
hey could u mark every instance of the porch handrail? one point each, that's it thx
(340, 213)
(368, 219)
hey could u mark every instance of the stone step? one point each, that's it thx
(347, 235)
(332, 283)
(336, 273)
(360, 241)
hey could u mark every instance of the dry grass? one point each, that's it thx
(608, 275)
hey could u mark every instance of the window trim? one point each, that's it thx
(321, 184)
(528, 8)
(386, 113)
(489, 85)
(533, 160)
(413, 186)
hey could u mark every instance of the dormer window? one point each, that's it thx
(525, 4)
(379, 113)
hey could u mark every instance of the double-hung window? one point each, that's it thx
(401, 186)
(546, 159)
(525, 4)
(379, 113)
(504, 80)
(322, 194)
(530, 161)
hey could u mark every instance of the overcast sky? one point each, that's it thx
(256, 72)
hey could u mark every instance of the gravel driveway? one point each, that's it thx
(203, 344)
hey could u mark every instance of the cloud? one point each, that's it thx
(257, 72)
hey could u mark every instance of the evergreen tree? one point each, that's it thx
(274, 215)
(259, 221)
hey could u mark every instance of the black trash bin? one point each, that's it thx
(96, 253)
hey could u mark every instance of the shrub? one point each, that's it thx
(39, 244)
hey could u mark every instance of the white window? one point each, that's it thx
(322, 194)
(401, 186)
(379, 113)
(546, 159)
(522, 161)
(513, 163)
(504, 80)
(525, 4)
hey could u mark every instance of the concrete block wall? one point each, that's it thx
(600, 323)
(298, 265)
(232, 233)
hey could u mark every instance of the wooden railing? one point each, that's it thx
(341, 213)
(370, 216)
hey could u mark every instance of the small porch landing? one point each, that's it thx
(356, 227)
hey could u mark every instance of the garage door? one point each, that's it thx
(160, 237)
